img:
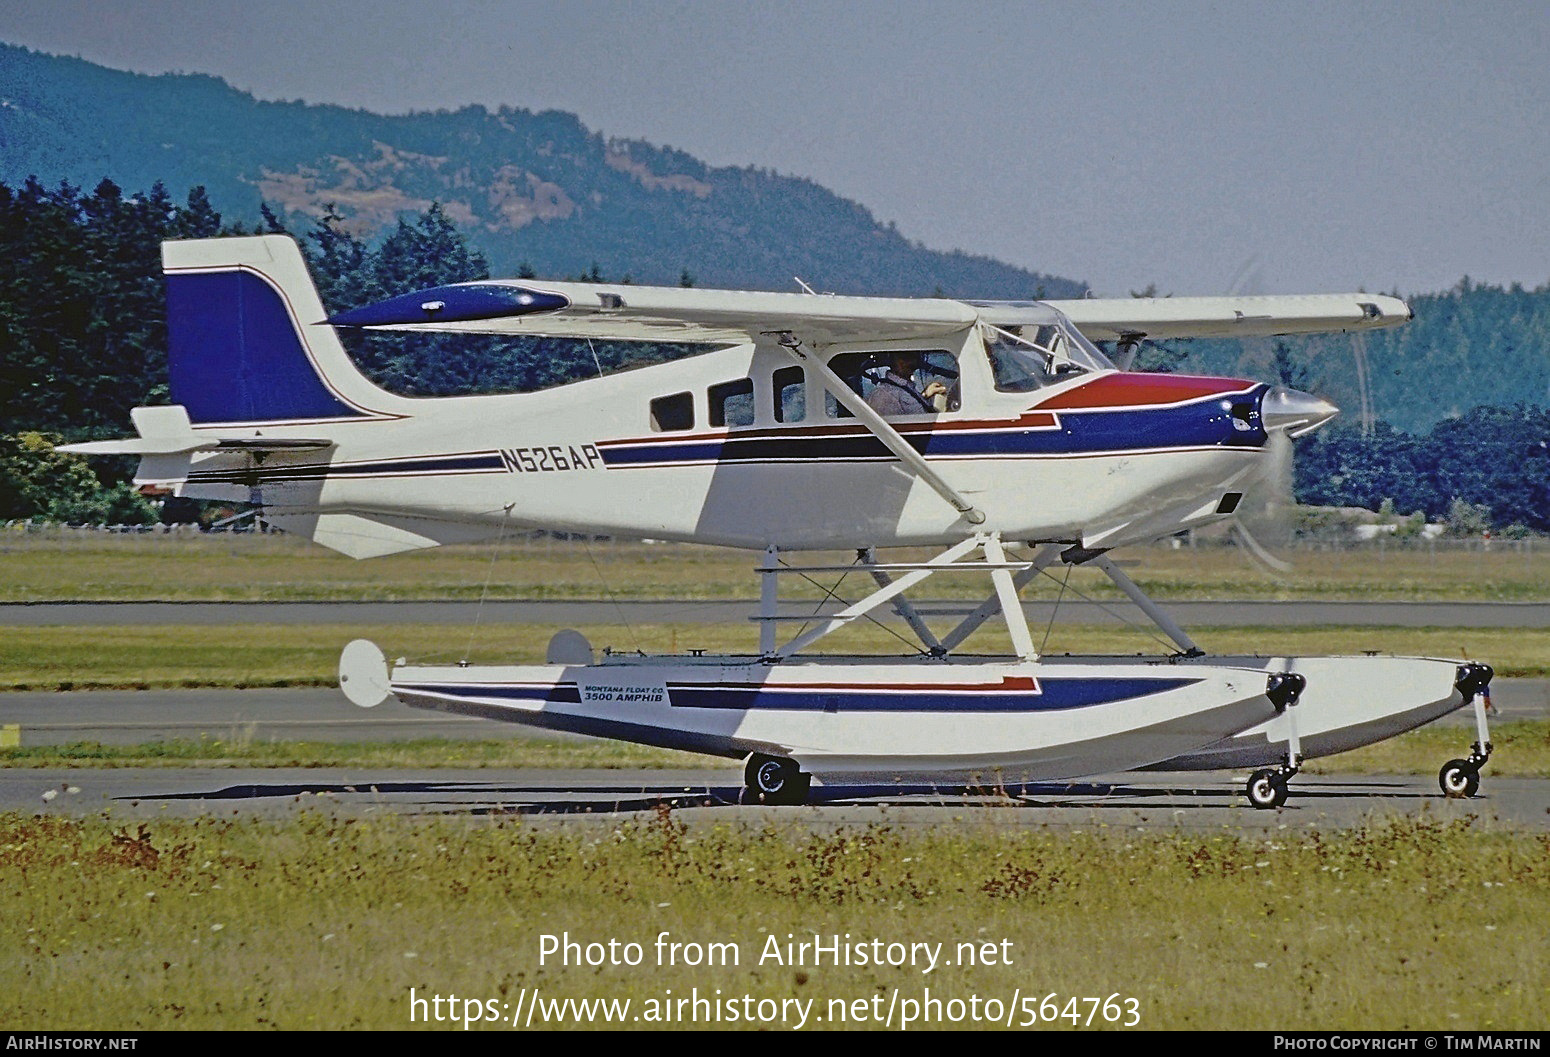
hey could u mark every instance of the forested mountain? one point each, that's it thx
(543, 191)
(526, 188)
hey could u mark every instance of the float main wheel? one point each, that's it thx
(776, 780)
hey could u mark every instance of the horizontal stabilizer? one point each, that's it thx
(167, 431)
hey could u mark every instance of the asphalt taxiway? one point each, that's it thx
(1198, 614)
(1161, 800)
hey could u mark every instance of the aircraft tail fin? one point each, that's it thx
(246, 341)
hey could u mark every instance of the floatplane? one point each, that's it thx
(995, 433)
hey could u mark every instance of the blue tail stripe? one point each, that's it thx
(235, 356)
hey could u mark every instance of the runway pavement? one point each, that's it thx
(1183, 801)
(129, 717)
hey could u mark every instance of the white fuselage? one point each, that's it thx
(1098, 459)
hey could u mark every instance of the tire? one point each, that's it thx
(751, 771)
(1459, 779)
(774, 780)
(1266, 790)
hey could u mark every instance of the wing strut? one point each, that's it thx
(879, 427)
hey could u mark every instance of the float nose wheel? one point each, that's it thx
(1267, 788)
(1460, 779)
(775, 780)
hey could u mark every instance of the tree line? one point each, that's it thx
(83, 340)
(83, 329)
(1491, 464)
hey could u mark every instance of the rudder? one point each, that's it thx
(243, 346)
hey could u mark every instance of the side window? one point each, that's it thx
(789, 389)
(1027, 358)
(849, 366)
(864, 371)
(731, 403)
(670, 413)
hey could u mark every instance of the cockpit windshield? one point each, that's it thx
(1030, 357)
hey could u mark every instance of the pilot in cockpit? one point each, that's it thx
(894, 391)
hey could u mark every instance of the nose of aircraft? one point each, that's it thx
(1294, 411)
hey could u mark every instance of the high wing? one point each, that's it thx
(657, 313)
(1126, 319)
(610, 311)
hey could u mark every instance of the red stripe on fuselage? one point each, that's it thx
(1028, 420)
(1008, 684)
(1142, 390)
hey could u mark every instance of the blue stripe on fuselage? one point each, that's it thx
(419, 465)
(1201, 424)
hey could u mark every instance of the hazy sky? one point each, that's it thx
(1267, 147)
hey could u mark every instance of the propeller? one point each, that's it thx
(1266, 514)
(1267, 511)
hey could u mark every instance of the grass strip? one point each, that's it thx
(278, 655)
(254, 567)
(319, 922)
(1522, 750)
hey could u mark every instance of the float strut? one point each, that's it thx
(1147, 606)
(769, 598)
(901, 605)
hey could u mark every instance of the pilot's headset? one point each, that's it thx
(876, 368)
(879, 364)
